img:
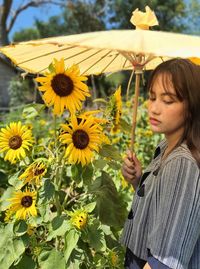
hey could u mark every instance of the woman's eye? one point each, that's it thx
(168, 102)
(152, 98)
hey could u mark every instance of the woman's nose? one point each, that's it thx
(154, 107)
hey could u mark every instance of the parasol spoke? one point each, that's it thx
(49, 53)
(95, 62)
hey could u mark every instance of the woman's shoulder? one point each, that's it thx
(182, 152)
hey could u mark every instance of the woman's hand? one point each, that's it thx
(131, 169)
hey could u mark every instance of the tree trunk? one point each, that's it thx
(4, 13)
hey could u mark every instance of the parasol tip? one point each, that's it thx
(144, 20)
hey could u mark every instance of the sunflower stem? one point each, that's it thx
(58, 205)
(68, 193)
(77, 197)
(58, 182)
(24, 161)
(54, 124)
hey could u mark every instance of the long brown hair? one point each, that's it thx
(185, 77)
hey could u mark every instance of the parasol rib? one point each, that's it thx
(46, 54)
(104, 69)
(97, 62)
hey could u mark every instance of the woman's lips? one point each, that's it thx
(154, 121)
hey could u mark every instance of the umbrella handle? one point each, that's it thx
(135, 106)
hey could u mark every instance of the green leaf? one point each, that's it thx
(51, 260)
(45, 212)
(111, 152)
(15, 181)
(32, 110)
(87, 174)
(5, 234)
(51, 68)
(20, 227)
(114, 165)
(25, 262)
(95, 236)
(90, 207)
(111, 208)
(76, 171)
(4, 198)
(125, 126)
(47, 191)
(59, 227)
(29, 113)
(100, 100)
(71, 241)
(100, 164)
(3, 178)
(11, 252)
(106, 229)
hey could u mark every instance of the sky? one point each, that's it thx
(27, 17)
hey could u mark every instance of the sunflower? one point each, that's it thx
(63, 88)
(114, 258)
(116, 109)
(34, 173)
(23, 204)
(82, 137)
(79, 218)
(87, 114)
(14, 140)
(8, 216)
(118, 105)
(31, 229)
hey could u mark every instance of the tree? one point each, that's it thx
(193, 18)
(170, 13)
(8, 16)
(77, 17)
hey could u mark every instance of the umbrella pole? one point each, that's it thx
(135, 106)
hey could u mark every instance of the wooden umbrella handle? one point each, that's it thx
(135, 106)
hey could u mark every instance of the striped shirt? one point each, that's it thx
(165, 213)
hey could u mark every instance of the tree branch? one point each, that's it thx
(35, 3)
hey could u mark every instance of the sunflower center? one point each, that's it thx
(26, 201)
(62, 85)
(15, 142)
(80, 139)
(38, 172)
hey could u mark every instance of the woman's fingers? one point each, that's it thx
(127, 176)
(129, 155)
(129, 170)
(129, 164)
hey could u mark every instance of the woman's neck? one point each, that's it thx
(172, 141)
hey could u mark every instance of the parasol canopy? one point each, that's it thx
(103, 51)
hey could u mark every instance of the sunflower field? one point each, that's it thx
(63, 199)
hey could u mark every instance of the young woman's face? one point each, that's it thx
(166, 112)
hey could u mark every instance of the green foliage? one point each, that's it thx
(193, 17)
(51, 259)
(20, 91)
(77, 17)
(170, 13)
(26, 34)
(11, 248)
(81, 209)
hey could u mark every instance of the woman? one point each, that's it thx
(163, 226)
